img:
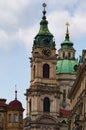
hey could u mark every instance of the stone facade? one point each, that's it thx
(77, 95)
(47, 104)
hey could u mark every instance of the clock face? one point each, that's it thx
(46, 52)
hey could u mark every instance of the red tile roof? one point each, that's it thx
(15, 105)
(3, 102)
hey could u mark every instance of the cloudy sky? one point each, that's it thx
(19, 23)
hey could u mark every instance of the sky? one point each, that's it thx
(19, 24)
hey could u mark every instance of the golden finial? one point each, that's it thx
(67, 31)
(67, 24)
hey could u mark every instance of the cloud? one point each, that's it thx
(9, 9)
(26, 36)
(59, 13)
(7, 41)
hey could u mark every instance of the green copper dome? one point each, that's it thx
(66, 63)
(66, 66)
(44, 37)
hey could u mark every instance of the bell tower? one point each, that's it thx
(42, 98)
(43, 61)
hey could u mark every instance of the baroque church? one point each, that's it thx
(56, 97)
(52, 77)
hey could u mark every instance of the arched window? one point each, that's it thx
(46, 71)
(46, 105)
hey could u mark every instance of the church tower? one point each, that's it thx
(42, 98)
(66, 70)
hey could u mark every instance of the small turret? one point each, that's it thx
(66, 62)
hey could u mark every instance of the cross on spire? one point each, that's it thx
(67, 31)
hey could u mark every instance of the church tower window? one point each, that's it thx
(46, 71)
(46, 104)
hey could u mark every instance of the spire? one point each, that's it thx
(15, 93)
(67, 32)
(44, 24)
(44, 11)
(44, 36)
(67, 43)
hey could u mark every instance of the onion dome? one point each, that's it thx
(44, 37)
(15, 104)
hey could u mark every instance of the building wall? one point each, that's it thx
(77, 95)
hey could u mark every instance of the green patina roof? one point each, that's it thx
(44, 28)
(44, 37)
(66, 66)
(67, 44)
